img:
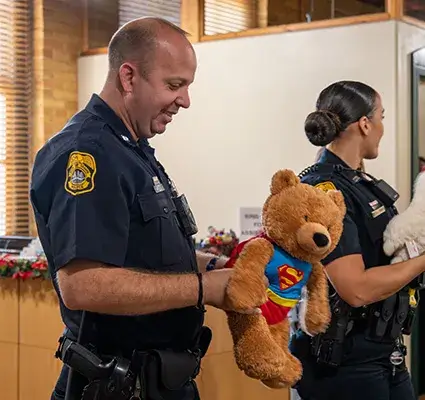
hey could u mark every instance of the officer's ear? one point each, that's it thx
(365, 125)
(126, 76)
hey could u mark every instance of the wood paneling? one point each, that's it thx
(40, 325)
(38, 372)
(9, 371)
(9, 315)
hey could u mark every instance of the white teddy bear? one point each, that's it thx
(404, 236)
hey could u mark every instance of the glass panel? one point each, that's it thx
(224, 16)
(104, 21)
(415, 9)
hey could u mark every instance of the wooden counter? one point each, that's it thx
(30, 326)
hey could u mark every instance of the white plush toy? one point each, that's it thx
(404, 236)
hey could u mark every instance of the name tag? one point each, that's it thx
(378, 211)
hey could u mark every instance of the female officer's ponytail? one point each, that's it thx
(338, 106)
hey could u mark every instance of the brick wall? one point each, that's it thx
(58, 42)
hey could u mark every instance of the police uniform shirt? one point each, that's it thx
(366, 216)
(99, 195)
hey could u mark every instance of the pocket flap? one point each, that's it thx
(156, 205)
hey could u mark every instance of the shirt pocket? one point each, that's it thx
(162, 240)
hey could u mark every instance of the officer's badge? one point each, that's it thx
(80, 173)
(325, 186)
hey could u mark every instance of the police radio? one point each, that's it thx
(185, 215)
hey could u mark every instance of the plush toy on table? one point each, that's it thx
(302, 225)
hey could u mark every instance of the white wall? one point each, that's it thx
(249, 102)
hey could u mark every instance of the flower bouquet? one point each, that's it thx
(219, 242)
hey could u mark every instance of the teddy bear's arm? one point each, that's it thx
(317, 312)
(246, 288)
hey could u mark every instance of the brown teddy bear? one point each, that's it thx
(302, 225)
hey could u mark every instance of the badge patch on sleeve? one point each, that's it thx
(325, 186)
(80, 173)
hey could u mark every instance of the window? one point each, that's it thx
(2, 164)
(15, 114)
(102, 22)
(415, 9)
(167, 9)
(224, 16)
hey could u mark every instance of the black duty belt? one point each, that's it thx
(150, 374)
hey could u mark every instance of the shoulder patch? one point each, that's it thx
(80, 173)
(325, 186)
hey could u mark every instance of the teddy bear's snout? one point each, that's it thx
(320, 239)
(314, 238)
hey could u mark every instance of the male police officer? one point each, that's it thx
(116, 233)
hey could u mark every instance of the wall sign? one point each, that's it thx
(250, 222)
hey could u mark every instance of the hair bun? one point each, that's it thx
(321, 127)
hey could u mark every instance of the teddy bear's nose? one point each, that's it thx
(320, 239)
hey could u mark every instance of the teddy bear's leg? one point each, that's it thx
(256, 352)
(246, 288)
(293, 368)
(316, 313)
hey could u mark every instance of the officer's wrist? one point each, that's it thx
(216, 262)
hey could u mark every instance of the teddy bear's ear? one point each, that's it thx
(283, 179)
(338, 199)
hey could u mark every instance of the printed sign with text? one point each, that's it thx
(250, 222)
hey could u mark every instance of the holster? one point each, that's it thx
(388, 318)
(380, 315)
(328, 348)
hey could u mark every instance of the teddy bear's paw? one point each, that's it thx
(258, 251)
(315, 320)
(290, 374)
(241, 295)
(259, 357)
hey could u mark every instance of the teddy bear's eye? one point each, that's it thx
(306, 217)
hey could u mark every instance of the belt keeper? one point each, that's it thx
(201, 291)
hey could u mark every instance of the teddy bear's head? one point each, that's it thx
(301, 219)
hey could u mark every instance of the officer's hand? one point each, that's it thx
(215, 284)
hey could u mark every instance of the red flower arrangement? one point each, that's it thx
(23, 268)
(219, 242)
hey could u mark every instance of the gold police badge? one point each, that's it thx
(80, 173)
(325, 186)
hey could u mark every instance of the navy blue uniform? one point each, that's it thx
(99, 195)
(365, 370)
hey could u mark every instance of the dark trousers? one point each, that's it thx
(365, 374)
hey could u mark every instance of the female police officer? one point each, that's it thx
(361, 355)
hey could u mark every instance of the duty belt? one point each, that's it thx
(150, 374)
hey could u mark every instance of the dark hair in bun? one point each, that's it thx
(321, 127)
(338, 106)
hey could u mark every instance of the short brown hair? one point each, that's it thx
(136, 41)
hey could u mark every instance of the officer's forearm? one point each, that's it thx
(119, 291)
(381, 282)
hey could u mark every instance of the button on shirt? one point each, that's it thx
(99, 195)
